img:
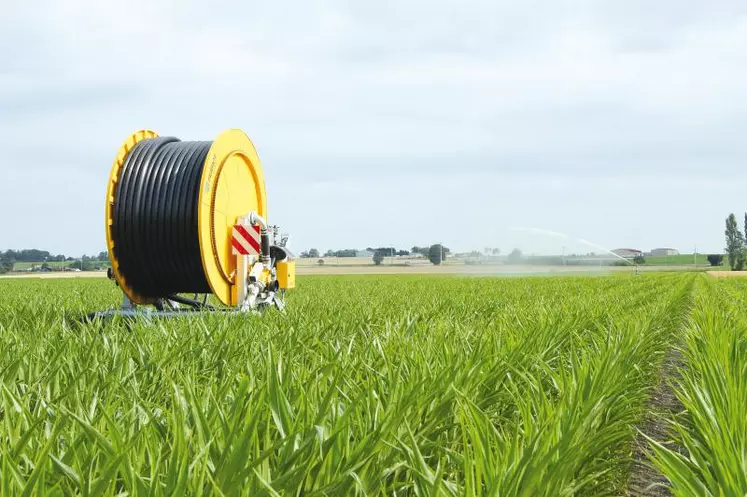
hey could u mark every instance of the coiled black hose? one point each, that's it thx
(154, 225)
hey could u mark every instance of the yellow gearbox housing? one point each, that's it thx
(286, 274)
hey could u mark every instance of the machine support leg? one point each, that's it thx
(126, 303)
(241, 271)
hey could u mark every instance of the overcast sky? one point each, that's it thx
(391, 122)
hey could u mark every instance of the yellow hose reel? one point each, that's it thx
(172, 209)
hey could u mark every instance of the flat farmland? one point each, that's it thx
(382, 385)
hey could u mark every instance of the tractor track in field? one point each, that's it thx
(645, 479)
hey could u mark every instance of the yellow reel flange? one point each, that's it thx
(232, 185)
(111, 195)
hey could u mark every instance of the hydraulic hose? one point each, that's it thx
(154, 223)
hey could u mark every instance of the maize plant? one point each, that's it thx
(368, 385)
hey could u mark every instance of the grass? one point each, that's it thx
(370, 385)
(678, 260)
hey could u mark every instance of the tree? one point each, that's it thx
(514, 256)
(320, 262)
(83, 265)
(30, 255)
(403, 252)
(378, 257)
(734, 244)
(715, 259)
(385, 251)
(341, 253)
(7, 260)
(639, 259)
(437, 253)
(103, 256)
(313, 253)
(6, 266)
(424, 251)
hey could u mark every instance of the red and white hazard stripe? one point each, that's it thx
(246, 239)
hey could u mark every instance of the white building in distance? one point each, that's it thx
(661, 252)
(627, 252)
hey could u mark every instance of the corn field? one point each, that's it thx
(712, 432)
(390, 385)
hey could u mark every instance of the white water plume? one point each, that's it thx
(569, 237)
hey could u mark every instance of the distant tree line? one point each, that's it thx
(435, 253)
(341, 253)
(310, 253)
(10, 257)
(388, 251)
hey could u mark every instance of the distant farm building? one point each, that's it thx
(628, 253)
(661, 252)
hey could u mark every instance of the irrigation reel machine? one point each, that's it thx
(187, 219)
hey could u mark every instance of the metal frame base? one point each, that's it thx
(148, 314)
(168, 308)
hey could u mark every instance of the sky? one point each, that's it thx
(392, 122)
